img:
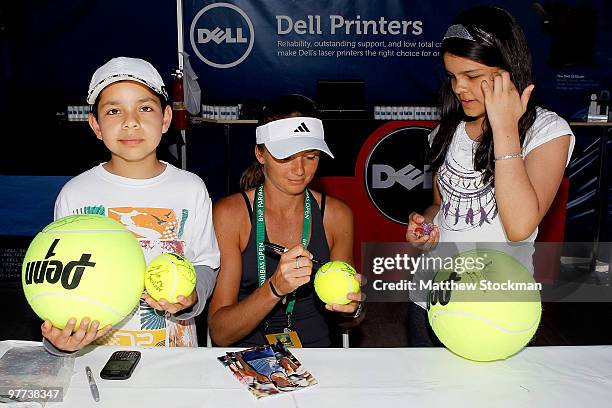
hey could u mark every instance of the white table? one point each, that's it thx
(372, 378)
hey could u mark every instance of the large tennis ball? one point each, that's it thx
(83, 266)
(486, 307)
(334, 280)
(169, 276)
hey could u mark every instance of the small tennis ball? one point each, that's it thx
(334, 280)
(83, 266)
(494, 315)
(169, 276)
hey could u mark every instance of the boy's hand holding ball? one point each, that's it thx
(170, 283)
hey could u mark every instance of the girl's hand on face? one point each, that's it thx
(503, 103)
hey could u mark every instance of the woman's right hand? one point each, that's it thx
(425, 242)
(67, 340)
(294, 270)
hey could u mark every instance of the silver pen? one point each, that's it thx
(92, 384)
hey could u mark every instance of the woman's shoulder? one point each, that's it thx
(333, 206)
(232, 204)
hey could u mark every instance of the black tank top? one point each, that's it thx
(308, 313)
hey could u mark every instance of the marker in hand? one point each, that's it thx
(282, 249)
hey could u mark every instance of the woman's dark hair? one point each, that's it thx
(282, 107)
(499, 42)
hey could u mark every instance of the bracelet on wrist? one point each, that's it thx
(357, 311)
(509, 156)
(274, 292)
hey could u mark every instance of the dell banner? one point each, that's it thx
(252, 49)
(260, 49)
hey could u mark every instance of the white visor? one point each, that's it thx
(286, 137)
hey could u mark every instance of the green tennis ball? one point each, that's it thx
(488, 321)
(83, 266)
(169, 276)
(334, 280)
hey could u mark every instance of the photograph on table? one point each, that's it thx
(268, 370)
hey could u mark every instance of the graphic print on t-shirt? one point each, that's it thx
(158, 231)
(150, 223)
(467, 203)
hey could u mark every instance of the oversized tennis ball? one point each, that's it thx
(486, 307)
(83, 266)
(168, 276)
(334, 280)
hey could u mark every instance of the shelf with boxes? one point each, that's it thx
(383, 112)
(76, 113)
(221, 112)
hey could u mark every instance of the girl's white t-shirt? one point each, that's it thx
(468, 218)
(468, 211)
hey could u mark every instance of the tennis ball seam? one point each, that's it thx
(82, 298)
(172, 271)
(174, 280)
(349, 288)
(485, 320)
(348, 278)
(101, 260)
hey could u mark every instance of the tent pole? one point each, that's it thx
(179, 31)
(181, 48)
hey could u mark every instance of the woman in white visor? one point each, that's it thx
(262, 296)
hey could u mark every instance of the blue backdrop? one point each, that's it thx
(254, 49)
(48, 51)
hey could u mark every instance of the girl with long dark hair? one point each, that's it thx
(497, 158)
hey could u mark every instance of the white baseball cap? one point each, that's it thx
(125, 69)
(286, 137)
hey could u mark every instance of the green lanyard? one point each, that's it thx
(261, 234)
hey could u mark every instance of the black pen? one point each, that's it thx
(280, 248)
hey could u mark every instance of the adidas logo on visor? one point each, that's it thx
(302, 128)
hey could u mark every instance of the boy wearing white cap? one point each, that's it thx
(262, 297)
(166, 208)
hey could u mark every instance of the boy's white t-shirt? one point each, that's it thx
(171, 212)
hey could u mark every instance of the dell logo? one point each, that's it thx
(384, 176)
(226, 44)
(396, 177)
(218, 36)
